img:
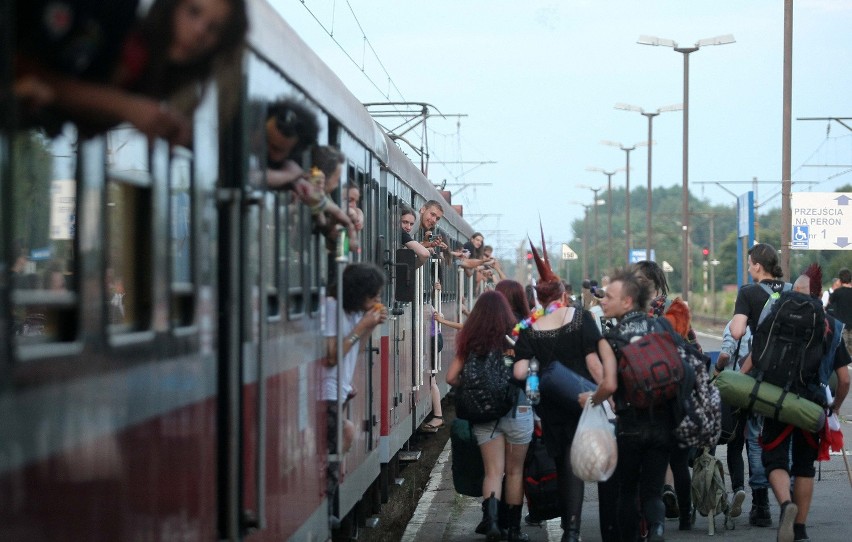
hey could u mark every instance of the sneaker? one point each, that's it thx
(670, 500)
(737, 503)
(785, 522)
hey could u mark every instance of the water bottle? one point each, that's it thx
(532, 383)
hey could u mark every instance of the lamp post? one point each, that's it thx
(627, 190)
(585, 237)
(649, 232)
(685, 51)
(595, 203)
(609, 175)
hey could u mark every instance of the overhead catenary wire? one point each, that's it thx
(367, 43)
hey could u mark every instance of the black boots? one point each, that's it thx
(488, 526)
(572, 533)
(513, 523)
(670, 501)
(760, 515)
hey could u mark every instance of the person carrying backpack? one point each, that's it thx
(677, 495)
(765, 271)
(645, 420)
(779, 439)
(482, 372)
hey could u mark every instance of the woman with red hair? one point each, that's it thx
(503, 445)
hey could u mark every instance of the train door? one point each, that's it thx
(249, 300)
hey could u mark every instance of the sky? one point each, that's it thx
(538, 82)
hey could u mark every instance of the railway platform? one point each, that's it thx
(442, 515)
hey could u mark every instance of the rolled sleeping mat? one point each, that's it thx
(736, 389)
(560, 387)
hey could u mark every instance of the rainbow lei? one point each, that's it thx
(538, 313)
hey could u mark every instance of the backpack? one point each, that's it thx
(698, 409)
(650, 367)
(486, 392)
(788, 343)
(708, 487)
(540, 485)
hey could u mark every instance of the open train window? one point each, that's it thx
(42, 214)
(295, 252)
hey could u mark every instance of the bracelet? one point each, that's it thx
(354, 338)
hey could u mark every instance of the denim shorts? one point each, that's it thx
(516, 430)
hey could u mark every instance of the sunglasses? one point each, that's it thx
(288, 123)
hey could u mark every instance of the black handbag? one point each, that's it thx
(540, 484)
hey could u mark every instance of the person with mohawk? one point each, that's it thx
(576, 365)
(804, 445)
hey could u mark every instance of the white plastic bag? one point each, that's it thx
(594, 452)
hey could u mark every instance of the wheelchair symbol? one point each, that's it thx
(800, 236)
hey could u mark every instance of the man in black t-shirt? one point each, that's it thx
(840, 305)
(764, 269)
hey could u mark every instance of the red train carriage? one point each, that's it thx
(161, 322)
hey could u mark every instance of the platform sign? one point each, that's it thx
(567, 253)
(63, 218)
(821, 221)
(638, 255)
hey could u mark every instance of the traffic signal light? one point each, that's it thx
(529, 255)
(705, 252)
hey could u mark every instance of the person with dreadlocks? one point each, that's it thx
(792, 452)
(576, 365)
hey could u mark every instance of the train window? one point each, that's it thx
(42, 214)
(128, 252)
(296, 238)
(180, 222)
(269, 257)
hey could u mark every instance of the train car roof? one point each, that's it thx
(271, 37)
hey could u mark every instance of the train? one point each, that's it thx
(161, 321)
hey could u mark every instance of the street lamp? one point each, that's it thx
(627, 107)
(585, 207)
(595, 203)
(609, 175)
(686, 51)
(627, 190)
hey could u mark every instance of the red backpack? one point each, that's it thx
(651, 369)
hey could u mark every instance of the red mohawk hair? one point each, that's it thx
(814, 272)
(549, 286)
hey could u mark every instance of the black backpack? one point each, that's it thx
(540, 485)
(486, 392)
(788, 343)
